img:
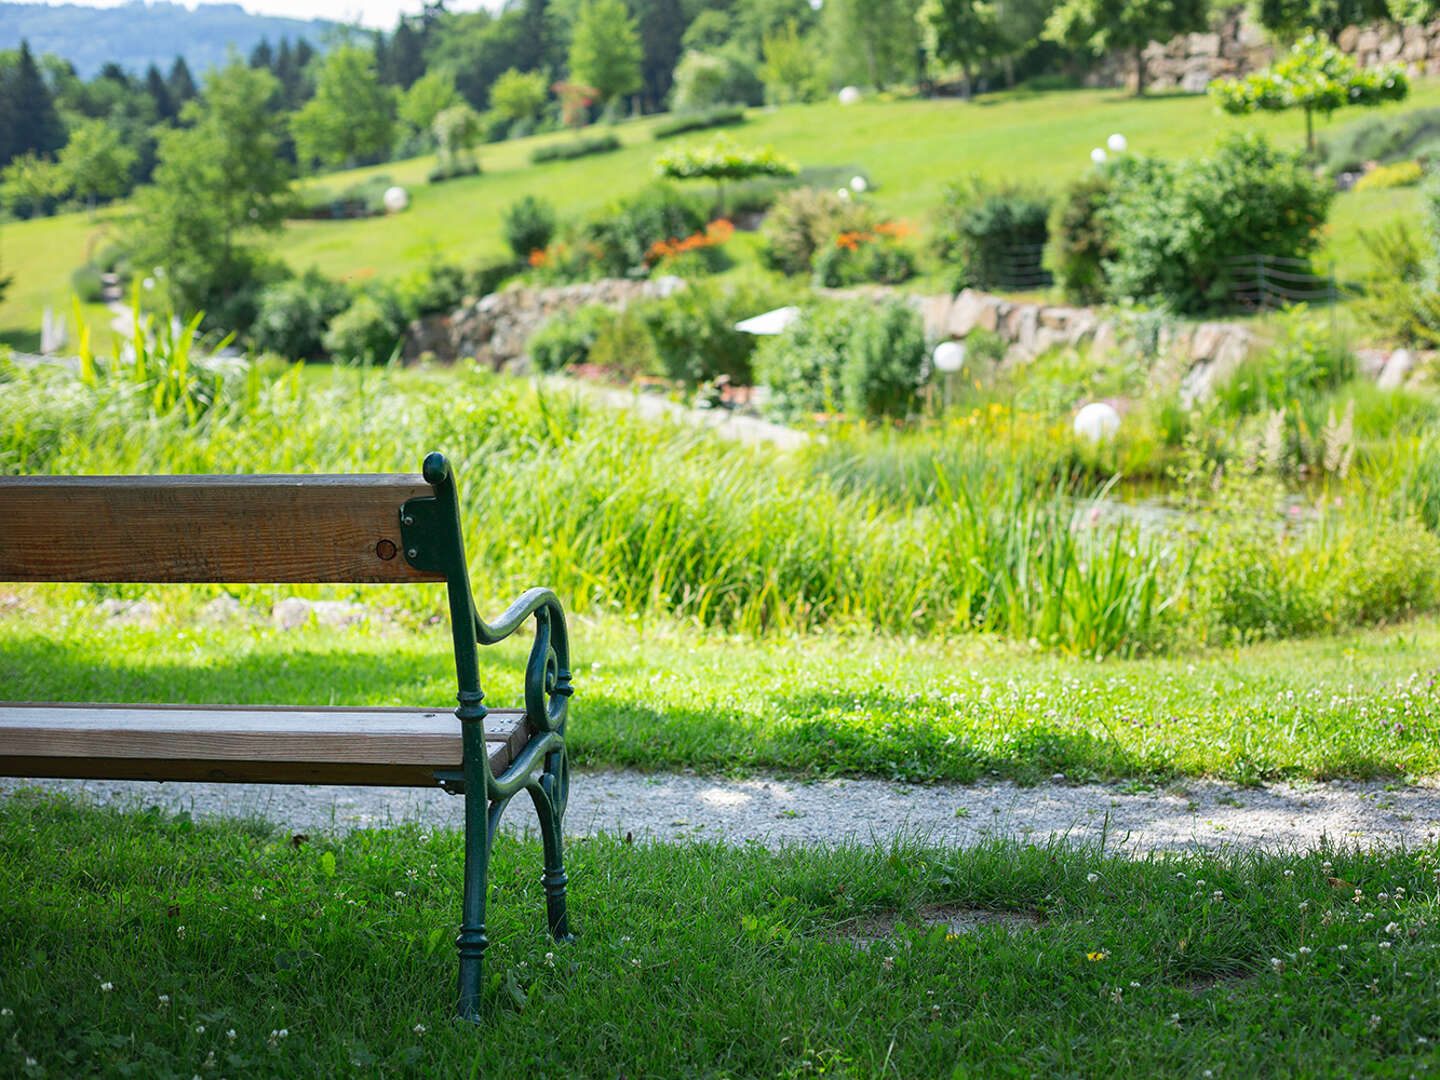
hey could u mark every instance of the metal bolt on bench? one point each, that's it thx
(236, 529)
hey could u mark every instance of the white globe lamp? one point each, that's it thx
(1098, 155)
(850, 95)
(843, 194)
(859, 185)
(1118, 143)
(1097, 422)
(396, 199)
(949, 357)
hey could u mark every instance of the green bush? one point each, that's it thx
(864, 359)
(1401, 299)
(624, 346)
(86, 284)
(1391, 573)
(294, 315)
(369, 331)
(574, 148)
(758, 195)
(993, 235)
(619, 237)
(365, 198)
(1401, 174)
(863, 258)
(484, 278)
(700, 120)
(453, 170)
(528, 224)
(566, 338)
(436, 289)
(1380, 138)
(1178, 228)
(1080, 238)
(694, 330)
(804, 221)
(1308, 361)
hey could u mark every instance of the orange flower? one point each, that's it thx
(538, 257)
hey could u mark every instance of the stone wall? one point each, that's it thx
(495, 328)
(1239, 46)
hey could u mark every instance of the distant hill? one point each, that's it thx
(136, 35)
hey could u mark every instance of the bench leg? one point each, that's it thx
(549, 796)
(472, 940)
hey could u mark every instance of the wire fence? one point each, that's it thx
(1018, 268)
(1265, 282)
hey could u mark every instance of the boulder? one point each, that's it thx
(934, 312)
(1345, 40)
(968, 311)
(1232, 351)
(1396, 369)
(1371, 362)
(1368, 40)
(1106, 340)
(1391, 47)
(1204, 45)
(1206, 342)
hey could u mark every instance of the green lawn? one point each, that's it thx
(145, 945)
(657, 695)
(911, 149)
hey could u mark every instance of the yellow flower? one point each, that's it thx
(1101, 954)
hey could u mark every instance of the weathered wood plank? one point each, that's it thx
(205, 528)
(244, 743)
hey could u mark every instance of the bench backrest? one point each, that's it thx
(207, 528)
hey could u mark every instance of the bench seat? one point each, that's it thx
(252, 744)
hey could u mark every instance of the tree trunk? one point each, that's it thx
(1009, 65)
(1139, 70)
(965, 80)
(1309, 130)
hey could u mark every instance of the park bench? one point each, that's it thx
(232, 529)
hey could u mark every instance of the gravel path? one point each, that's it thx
(775, 811)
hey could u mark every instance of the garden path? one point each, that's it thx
(775, 811)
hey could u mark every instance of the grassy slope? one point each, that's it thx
(910, 148)
(659, 696)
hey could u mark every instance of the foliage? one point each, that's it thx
(873, 42)
(1384, 139)
(694, 333)
(528, 224)
(871, 256)
(1307, 361)
(624, 346)
(865, 360)
(802, 222)
(1315, 76)
(574, 148)
(1400, 301)
(427, 97)
(30, 185)
(1080, 238)
(1101, 26)
(719, 116)
(1401, 174)
(792, 70)
(294, 315)
(722, 159)
(702, 81)
(1178, 228)
(86, 284)
(566, 338)
(94, 163)
(351, 118)
(960, 32)
(457, 130)
(619, 237)
(369, 331)
(519, 95)
(985, 230)
(364, 198)
(605, 50)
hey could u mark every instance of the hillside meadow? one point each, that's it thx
(910, 149)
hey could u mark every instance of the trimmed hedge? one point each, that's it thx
(568, 151)
(699, 120)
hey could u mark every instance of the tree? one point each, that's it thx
(457, 129)
(791, 71)
(165, 108)
(605, 50)
(34, 124)
(95, 164)
(263, 56)
(181, 85)
(406, 58)
(427, 98)
(218, 180)
(878, 37)
(960, 32)
(30, 184)
(720, 160)
(700, 81)
(661, 25)
(1102, 26)
(1316, 77)
(351, 118)
(519, 95)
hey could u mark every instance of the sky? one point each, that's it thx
(381, 14)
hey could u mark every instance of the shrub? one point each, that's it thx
(700, 83)
(294, 315)
(694, 329)
(439, 287)
(86, 284)
(700, 120)
(1380, 138)
(1398, 301)
(484, 278)
(1308, 361)
(574, 148)
(873, 256)
(864, 359)
(1391, 574)
(528, 224)
(365, 198)
(453, 170)
(1179, 228)
(619, 238)
(566, 338)
(1080, 238)
(802, 222)
(994, 236)
(369, 331)
(623, 345)
(1401, 174)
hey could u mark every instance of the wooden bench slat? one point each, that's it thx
(273, 745)
(206, 528)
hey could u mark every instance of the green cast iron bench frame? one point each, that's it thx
(316, 529)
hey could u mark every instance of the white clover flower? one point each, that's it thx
(1092, 878)
(7, 1011)
(1289, 873)
(1277, 963)
(635, 962)
(1304, 905)
(419, 1029)
(1374, 1022)
(164, 1000)
(1392, 928)
(1384, 944)
(1304, 950)
(549, 959)
(399, 895)
(888, 964)
(1342, 948)
(230, 1035)
(180, 931)
(106, 987)
(199, 1029)
(31, 1062)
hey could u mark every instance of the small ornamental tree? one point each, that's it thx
(722, 159)
(1316, 77)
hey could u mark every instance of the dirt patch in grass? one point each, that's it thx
(954, 919)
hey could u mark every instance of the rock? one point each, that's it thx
(1232, 351)
(935, 315)
(224, 608)
(1081, 328)
(1204, 44)
(290, 613)
(128, 612)
(965, 312)
(1371, 362)
(1346, 39)
(294, 612)
(1207, 340)
(1396, 369)
(1415, 51)
(1390, 48)
(1368, 41)
(1106, 340)
(1195, 82)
